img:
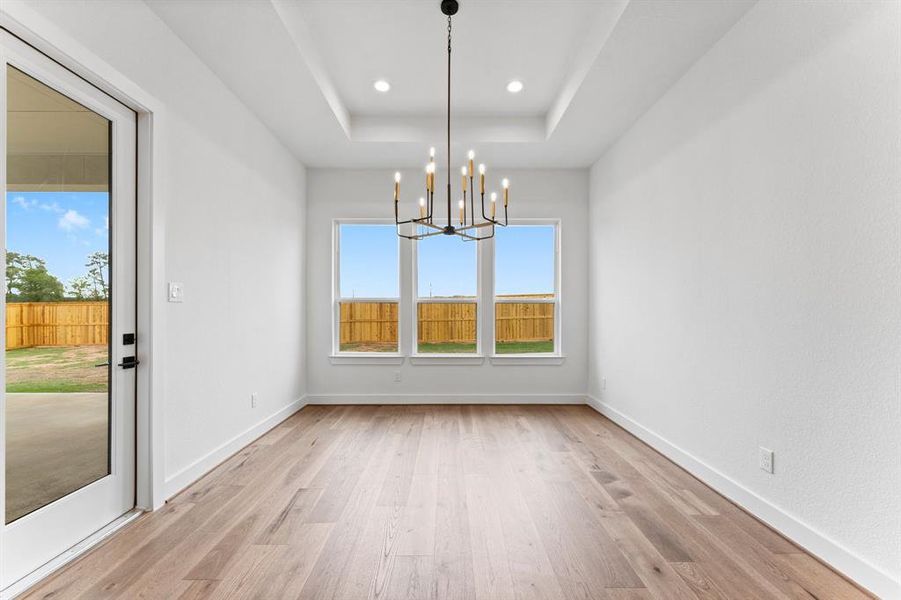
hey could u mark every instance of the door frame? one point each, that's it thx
(25, 23)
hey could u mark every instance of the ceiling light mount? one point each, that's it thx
(515, 86)
(467, 228)
(381, 85)
(450, 7)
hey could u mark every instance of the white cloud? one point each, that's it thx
(25, 204)
(53, 207)
(73, 220)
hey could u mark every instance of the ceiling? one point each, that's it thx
(590, 69)
(53, 143)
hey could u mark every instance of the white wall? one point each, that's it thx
(335, 194)
(746, 275)
(233, 211)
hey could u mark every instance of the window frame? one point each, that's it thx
(556, 301)
(337, 299)
(417, 356)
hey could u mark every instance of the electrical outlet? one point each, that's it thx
(253, 400)
(766, 459)
(397, 377)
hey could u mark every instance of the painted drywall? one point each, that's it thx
(745, 244)
(342, 194)
(233, 223)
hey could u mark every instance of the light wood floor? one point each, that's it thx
(447, 502)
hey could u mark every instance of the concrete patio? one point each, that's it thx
(55, 444)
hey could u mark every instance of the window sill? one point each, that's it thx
(527, 359)
(447, 359)
(366, 358)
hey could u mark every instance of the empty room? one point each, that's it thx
(451, 299)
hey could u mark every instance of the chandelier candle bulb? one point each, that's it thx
(396, 186)
(422, 208)
(463, 178)
(482, 179)
(432, 153)
(493, 204)
(506, 184)
(472, 155)
(461, 204)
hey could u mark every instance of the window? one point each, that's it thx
(525, 289)
(447, 304)
(367, 285)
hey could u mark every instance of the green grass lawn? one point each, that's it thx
(524, 347)
(502, 348)
(56, 369)
(368, 347)
(447, 348)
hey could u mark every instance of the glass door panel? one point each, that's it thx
(57, 295)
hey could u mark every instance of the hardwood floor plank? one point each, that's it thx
(418, 522)
(703, 586)
(662, 582)
(453, 568)
(491, 564)
(531, 570)
(291, 563)
(199, 589)
(413, 579)
(447, 502)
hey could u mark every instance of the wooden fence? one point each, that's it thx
(56, 324)
(455, 322)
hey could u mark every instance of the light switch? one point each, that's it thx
(176, 292)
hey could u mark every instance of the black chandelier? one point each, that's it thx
(467, 227)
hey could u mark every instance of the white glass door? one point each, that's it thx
(68, 371)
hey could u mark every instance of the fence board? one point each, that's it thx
(31, 324)
(376, 322)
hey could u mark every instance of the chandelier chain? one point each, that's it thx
(449, 27)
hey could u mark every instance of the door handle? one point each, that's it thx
(129, 362)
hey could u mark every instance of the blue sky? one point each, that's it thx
(524, 260)
(368, 265)
(447, 265)
(60, 227)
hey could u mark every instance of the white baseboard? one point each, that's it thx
(445, 399)
(212, 459)
(818, 544)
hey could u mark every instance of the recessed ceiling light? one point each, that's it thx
(515, 86)
(381, 86)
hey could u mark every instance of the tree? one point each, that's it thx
(27, 280)
(98, 269)
(80, 288)
(38, 285)
(16, 264)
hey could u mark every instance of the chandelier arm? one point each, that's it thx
(421, 235)
(472, 238)
(489, 219)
